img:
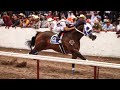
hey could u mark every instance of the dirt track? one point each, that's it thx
(53, 70)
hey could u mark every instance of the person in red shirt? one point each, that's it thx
(49, 15)
(7, 20)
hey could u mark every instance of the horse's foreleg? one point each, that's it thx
(81, 56)
(75, 51)
(74, 56)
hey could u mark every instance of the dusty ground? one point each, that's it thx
(52, 70)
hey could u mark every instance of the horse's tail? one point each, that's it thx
(31, 43)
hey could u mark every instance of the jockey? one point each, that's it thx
(61, 27)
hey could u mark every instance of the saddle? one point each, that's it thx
(56, 39)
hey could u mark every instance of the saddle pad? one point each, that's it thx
(53, 39)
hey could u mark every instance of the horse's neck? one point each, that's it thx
(77, 35)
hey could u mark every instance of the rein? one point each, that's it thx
(79, 31)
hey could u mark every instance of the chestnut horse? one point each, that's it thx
(70, 42)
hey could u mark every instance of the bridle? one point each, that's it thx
(79, 31)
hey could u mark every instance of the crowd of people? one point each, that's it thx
(47, 19)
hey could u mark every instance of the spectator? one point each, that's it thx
(49, 15)
(88, 15)
(30, 21)
(44, 22)
(7, 20)
(108, 26)
(25, 22)
(89, 21)
(99, 19)
(1, 21)
(118, 28)
(16, 21)
(21, 16)
(105, 20)
(52, 24)
(97, 26)
(107, 13)
(36, 22)
(93, 16)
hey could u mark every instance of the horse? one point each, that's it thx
(70, 42)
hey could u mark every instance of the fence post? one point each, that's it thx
(37, 69)
(96, 72)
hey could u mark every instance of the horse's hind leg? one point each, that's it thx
(38, 47)
(34, 52)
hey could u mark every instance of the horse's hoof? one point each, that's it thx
(33, 53)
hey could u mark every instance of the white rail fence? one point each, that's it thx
(95, 64)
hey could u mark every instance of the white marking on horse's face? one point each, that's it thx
(72, 42)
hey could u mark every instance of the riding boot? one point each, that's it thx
(58, 39)
(59, 34)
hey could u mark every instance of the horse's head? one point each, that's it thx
(92, 36)
(86, 29)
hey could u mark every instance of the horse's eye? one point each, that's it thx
(87, 28)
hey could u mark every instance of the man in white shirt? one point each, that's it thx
(108, 26)
(93, 17)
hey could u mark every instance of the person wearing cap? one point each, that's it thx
(108, 26)
(36, 22)
(51, 23)
(21, 16)
(54, 22)
(80, 21)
